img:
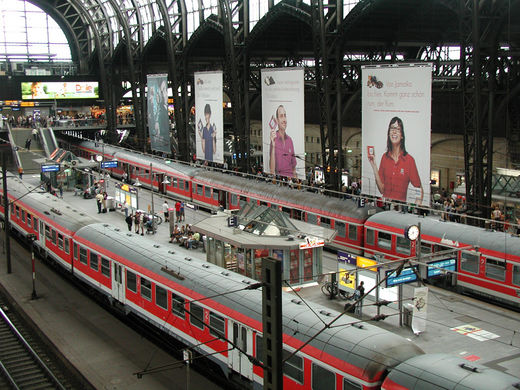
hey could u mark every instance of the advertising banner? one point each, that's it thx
(158, 122)
(209, 116)
(283, 122)
(396, 117)
(60, 90)
(420, 309)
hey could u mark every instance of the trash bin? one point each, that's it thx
(407, 314)
(111, 203)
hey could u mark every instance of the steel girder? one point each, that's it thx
(479, 21)
(235, 19)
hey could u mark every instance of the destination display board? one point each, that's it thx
(407, 275)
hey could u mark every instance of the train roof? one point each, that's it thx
(158, 163)
(451, 233)
(53, 207)
(366, 346)
(284, 195)
(443, 371)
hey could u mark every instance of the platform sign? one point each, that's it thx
(439, 267)
(109, 164)
(50, 168)
(347, 258)
(407, 275)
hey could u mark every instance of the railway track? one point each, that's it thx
(26, 362)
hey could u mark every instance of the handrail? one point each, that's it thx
(31, 351)
(14, 147)
(9, 377)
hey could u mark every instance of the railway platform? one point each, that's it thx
(461, 325)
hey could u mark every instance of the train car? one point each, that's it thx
(487, 261)
(52, 221)
(215, 311)
(425, 372)
(213, 189)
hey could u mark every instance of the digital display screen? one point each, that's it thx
(407, 275)
(440, 266)
(60, 90)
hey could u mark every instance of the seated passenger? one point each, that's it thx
(193, 241)
(176, 234)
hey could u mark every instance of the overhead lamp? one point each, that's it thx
(137, 183)
(166, 181)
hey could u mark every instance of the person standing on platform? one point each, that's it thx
(28, 143)
(358, 295)
(136, 222)
(60, 188)
(20, 172)
(99, 200)
(129, 220)
(141, 223)
(182, 211)
(178, 211)
(165, 208)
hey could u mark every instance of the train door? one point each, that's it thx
(118, 282)
(222, 199)
(160, 185)
(41, 236)
(242, 337)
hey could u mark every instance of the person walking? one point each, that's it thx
(28, 143)
(34, 133)
(20, 172)
(136, 222)
(141, 223)
(182, 211)
(60, 188)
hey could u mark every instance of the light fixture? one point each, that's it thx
(92, 160)
(99, 158)
(166, 181)
(137, 183)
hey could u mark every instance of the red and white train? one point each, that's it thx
(211, 310)
(487, 262)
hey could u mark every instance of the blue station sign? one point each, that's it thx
(109, 164)
(407, 275)
(440, 266)
(346, 258)
(50, 168)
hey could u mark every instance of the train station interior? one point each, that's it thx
(369, 148)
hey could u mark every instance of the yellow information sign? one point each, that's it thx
(347, 279)
(365, 263)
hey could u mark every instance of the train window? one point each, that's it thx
(215, 194)
(105, 267)
(341, 228)
(161, 298)
(177, 305)
(352, 232)
(322, 379)
(131, 281)
(234, 199)
(94, 261)
(17, 212)
(23, 215)
(47, 232)
(75, 250)
(186, 186)
(217, 323)
(66, 245)
(370, 237)
(83, 255)
(297, 214)
(469, 262)
(29, 219)
(181, 184)
(516, 275)
(197, 315)
(293, 367)
(60, 241)
(402, 245)
(496, 269)
(199, 189)
(325, 222)
(173, 182)
(146, 289)
(426, 247)
(312, 218)
(35, 224)
(207, 192)
(259, 348)
(440, 248)
(349, 385)
(53, 233)
(384, 240)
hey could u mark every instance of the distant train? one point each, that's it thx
(487, 262)
(211, 310)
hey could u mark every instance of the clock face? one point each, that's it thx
(412, 232)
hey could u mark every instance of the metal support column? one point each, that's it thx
(272, 323)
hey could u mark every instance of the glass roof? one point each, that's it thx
(29, 34)
(265, 221)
